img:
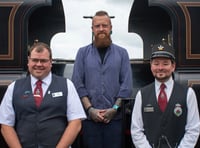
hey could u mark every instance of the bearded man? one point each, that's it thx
(103, 78)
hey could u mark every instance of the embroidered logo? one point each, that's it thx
(26, 94)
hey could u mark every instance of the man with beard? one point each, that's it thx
(165, 117)
(102, 76)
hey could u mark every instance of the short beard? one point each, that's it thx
(162, 79)
(102, 42)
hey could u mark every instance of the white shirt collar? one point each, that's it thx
(46, 80)
(169, 84)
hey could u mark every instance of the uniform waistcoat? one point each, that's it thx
(169, 126)
(45, 125)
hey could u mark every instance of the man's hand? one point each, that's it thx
(96, 114)
(108, 115)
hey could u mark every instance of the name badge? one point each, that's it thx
(148, 109)
(57, 94)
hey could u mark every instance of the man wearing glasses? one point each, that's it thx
(42, 110)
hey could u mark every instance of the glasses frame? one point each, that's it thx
(36, 60)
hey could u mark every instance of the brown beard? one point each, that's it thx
(102, 42)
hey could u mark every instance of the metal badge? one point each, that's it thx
(178, 110)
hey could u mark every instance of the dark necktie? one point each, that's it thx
(38, 95)
(162, 98)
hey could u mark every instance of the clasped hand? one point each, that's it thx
(99, 115)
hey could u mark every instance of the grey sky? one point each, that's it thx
(78, 30)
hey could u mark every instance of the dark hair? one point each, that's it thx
(39, 47)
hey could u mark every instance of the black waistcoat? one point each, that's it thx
(45, 125)
(168, 126)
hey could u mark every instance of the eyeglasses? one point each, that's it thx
(43, 61)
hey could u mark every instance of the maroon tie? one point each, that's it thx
(38, 95)
(162, 98)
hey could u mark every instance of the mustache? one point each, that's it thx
(102, 32)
